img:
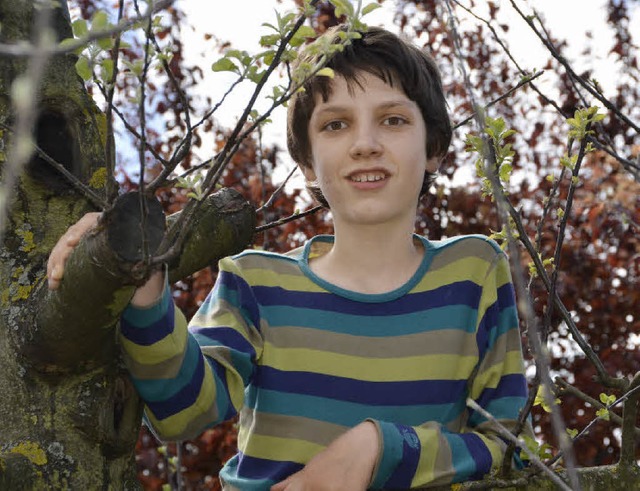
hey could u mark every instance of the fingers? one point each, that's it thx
(64, 247)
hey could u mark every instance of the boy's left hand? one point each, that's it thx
(346, 464)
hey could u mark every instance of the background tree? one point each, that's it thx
(574, 219)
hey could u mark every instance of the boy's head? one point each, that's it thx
(386, 56)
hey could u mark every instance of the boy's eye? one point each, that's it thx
(395, 121)
(334, 126)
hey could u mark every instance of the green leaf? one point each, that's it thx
(572, 433)
(603, 414)
(607, 399)
(505, 172)
(305, 32)
(540, 399)
(370, 8)
(105, 43)
(343, 7)
(79, 28)
(100, 20)
(326, 72)
(224, 65)
(269, 40)
(83, 69)
(107, 69)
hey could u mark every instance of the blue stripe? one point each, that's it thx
(152, 332)
(463, 463)
(222, 336)
(403, 474)
(156, 390)
(347, 413)
(391, 453)
(506, 296)
(235, 290)
(460, 293)
(455, 317)
(361, 391)
(499, 318)
(223, 400)
(141, 318)
(511, 385)
(480, 454)
(504, 408)
(182, 399)
(256, 468)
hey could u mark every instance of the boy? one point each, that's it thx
(350, 359)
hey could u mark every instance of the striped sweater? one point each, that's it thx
(302, 360)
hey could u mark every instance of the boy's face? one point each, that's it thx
(368, 150)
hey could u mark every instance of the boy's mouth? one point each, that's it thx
(369, 176)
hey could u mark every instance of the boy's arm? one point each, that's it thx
(429, 454)
(185, 391)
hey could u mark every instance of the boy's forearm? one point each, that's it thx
(149, 293)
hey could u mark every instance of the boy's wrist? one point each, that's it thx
(150, 293)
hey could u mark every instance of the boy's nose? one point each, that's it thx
(365, 143)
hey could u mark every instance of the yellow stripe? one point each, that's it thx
(431, 367)
(503, 273)
(489, 378)
(236, 387)
(495, 448)
(173, 426)
(430, 446)
(277, 448)
(163, 350)
(260, 277)
(468, 268)
(227, 318)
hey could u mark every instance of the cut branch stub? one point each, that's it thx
(135, 227)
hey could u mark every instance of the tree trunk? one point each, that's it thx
(69, 417)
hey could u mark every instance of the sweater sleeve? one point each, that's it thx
(430, 454)
(191, 378)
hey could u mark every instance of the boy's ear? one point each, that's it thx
(433, 164)
(308, 173)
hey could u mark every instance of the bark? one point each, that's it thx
(69, 417)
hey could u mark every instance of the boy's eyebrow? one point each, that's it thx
(335, 108)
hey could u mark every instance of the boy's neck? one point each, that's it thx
(370, 259)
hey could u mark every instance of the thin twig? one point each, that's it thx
(182, 149)
(631, 428)
(561, 232)
(26, 50)
(505, 433)
(279, 189)
(129, 127)
(110, 158)
(172, 242)
(551, 48)
(143, 132)
(498, 192)
(525, 81)
(73, 180)
(288, 219)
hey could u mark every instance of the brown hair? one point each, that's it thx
(390, 58)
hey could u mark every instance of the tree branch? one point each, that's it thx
(73, 326)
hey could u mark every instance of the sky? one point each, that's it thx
(241, 24)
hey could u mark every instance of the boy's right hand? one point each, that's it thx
(65, 246)
(144, 296)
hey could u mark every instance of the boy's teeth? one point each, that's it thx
(369, 177)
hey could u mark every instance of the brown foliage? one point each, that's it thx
(599, 267)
